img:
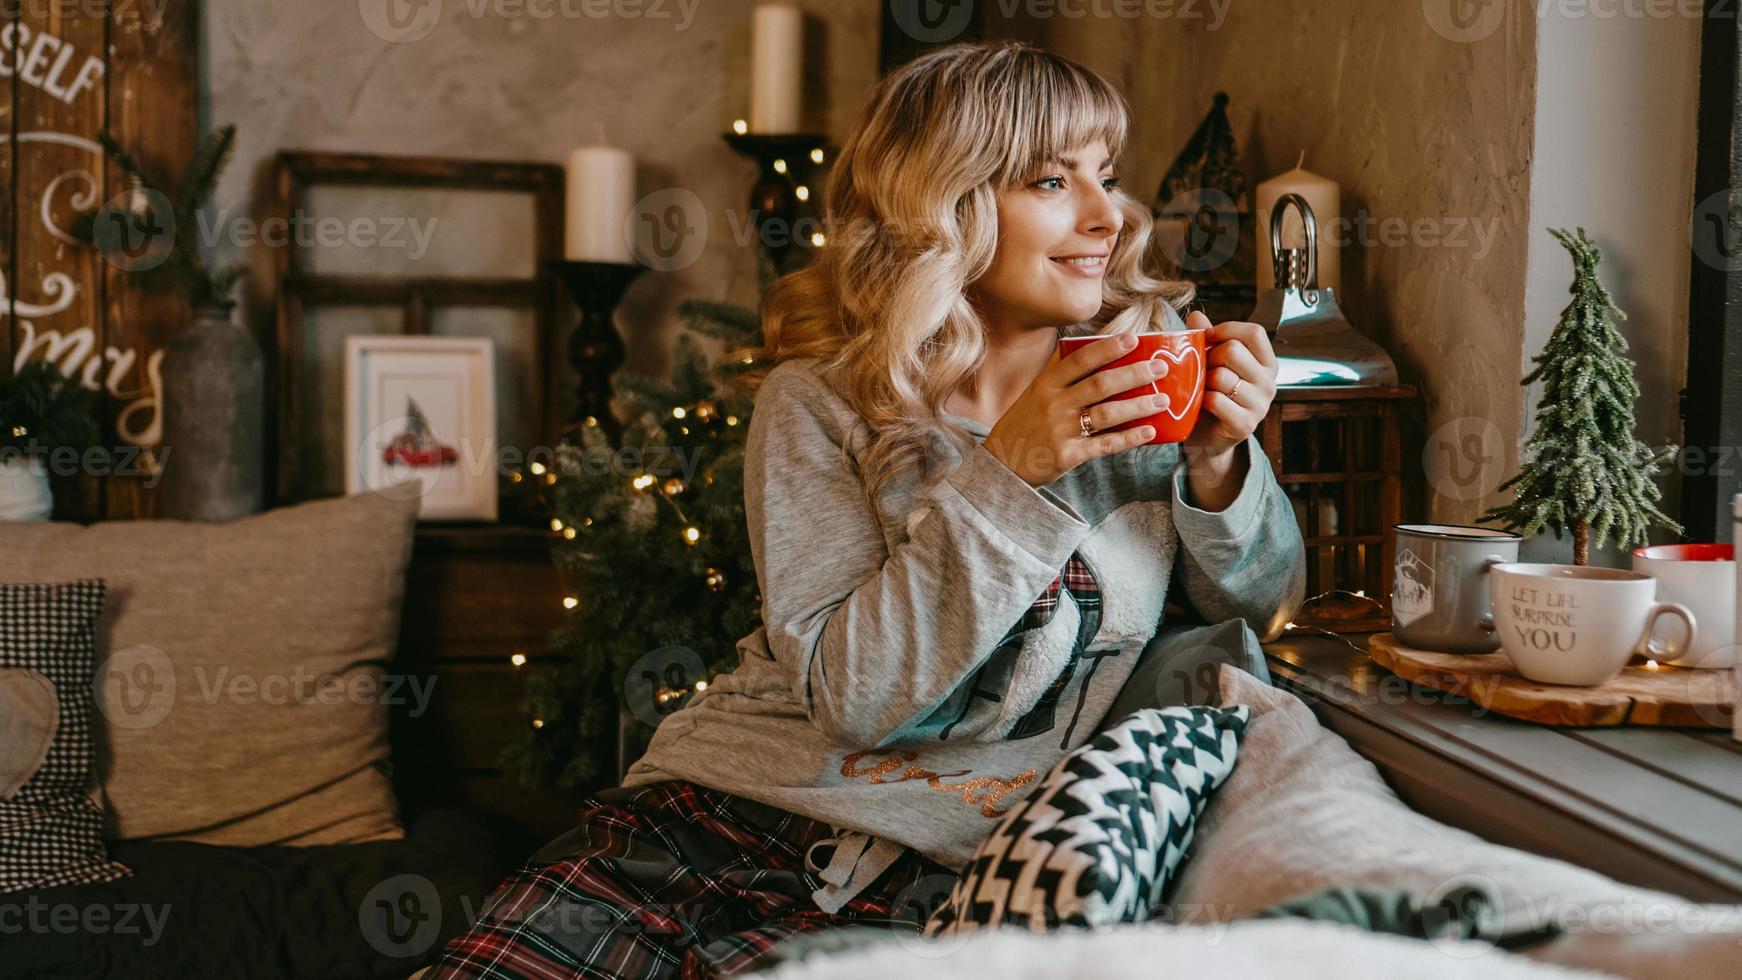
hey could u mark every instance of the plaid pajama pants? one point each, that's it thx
(669, 879)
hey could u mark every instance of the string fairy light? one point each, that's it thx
(1293, 627)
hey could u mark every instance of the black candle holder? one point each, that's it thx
(780, 159)
(595, 348)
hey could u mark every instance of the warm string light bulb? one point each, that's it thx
(518, 660)
(740, 127)
(570, 602)
(692, 534)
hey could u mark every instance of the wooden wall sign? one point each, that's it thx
(69, 70)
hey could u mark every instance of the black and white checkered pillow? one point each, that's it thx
(51, 828)
(1097, 842)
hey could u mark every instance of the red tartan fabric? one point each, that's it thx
(670, 879)
(1076, 576)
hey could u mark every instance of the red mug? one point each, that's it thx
(1183, 384)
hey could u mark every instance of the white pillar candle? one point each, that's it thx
(776, 69)
(1325, 197)
(601, 192)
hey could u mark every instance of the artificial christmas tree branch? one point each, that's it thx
(1585, 470)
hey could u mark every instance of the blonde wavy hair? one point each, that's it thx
(910, 211)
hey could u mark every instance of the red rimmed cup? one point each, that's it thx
(1183, 384)
(1701, 577)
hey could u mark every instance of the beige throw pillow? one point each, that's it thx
(240, 678)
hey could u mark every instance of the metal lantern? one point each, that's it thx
(1332, 435)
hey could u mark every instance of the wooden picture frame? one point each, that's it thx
(416, 299)
(423, 409)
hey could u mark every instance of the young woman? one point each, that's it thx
(959, 567)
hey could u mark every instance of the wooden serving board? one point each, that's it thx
(1639, 695)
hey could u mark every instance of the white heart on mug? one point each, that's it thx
(1178, 357)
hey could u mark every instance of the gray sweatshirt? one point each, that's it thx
(902, 689)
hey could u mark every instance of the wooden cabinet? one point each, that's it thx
(474, 597)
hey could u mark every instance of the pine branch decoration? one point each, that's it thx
(638, 581)
(182, 268)
(1586, 471)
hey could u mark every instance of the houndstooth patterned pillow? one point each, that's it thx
(1098, 841)
(51, 830)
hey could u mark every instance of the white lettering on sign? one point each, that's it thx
(74, 351)
(43, 60)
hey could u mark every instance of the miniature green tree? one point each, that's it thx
(1586, 471)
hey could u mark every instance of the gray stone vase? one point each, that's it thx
(213, 420)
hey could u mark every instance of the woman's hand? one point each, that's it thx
(1240, 359)
(1039, 436)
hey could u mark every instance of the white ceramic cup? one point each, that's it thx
(1579, 625)
(1701, 577)
(1736, 539)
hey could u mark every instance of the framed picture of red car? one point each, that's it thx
(420, 419)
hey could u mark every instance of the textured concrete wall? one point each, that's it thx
(661, 78)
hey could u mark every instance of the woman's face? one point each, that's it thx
(1062, 212)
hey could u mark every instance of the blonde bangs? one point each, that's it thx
(1059, 107)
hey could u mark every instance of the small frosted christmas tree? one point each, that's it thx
(1586, 471)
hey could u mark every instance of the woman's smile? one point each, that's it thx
(1090, 266)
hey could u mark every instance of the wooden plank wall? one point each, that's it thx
(70, 70)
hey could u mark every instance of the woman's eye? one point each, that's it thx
(1048, 180)
(1110, 183)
